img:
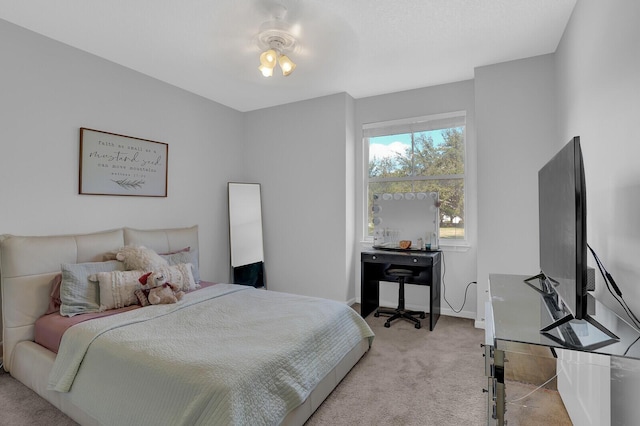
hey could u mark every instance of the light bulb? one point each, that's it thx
(266, 71)
(268, 58)
(286, 64)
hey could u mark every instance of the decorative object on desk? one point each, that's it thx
(404, 244)
(433, 244)
(395, 247)
(112, 164)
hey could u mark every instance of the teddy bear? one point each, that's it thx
(156, 290)
(140, 258)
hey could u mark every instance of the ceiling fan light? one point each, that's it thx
(266, 71)
(286, 64)
(268, 58)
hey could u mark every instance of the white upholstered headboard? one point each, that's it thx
(28, 264)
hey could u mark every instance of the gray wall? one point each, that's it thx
(516, 134)
(302, 154)
(598, 69)
(598, 81)
(49, 90)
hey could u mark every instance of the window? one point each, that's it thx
(423, 154)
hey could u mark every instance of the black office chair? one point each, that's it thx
(400, 274)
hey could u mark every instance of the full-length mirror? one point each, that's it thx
(245, 233)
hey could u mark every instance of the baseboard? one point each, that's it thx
(462, 314)
(443, 311)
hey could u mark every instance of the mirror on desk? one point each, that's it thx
(412, 216)
(245, 234)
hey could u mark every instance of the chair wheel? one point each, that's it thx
(387, 325)
(377, 314)
(422, 315)
(418, 325)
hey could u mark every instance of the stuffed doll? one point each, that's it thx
(140, 258)
(156, 290)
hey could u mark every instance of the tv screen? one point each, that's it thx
(563, 227)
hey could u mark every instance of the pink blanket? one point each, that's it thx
(50, 328)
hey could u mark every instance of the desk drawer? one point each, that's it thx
(398, 259)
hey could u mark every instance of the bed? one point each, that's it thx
(224, 354)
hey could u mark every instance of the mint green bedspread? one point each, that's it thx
(224, 355)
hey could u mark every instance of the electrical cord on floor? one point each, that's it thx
(535, 390)
(444, 288)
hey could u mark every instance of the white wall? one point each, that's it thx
(598, 70)
(516, 134)
(49, 90)
(460, 263)
(302, 154)
(598, 80)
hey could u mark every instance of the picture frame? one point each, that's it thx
(113, 164)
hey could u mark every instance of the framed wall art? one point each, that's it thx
(112, 164)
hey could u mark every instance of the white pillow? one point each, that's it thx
(187, 255)
(117, 288)
(181, 275)
(77, 294)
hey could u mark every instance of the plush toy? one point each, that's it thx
(140, 258)
(159, 290)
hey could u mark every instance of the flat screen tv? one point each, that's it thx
(563, 230)
(562, 197)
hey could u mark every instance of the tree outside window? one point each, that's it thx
(429, 157)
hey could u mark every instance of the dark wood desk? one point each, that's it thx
(426, 265)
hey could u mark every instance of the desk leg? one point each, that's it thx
(434, 296)
(369, 291)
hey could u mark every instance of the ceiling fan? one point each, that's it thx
(276, 38)
(308, 32)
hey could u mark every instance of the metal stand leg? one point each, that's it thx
(500, 392)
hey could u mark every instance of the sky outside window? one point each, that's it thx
(389, 146)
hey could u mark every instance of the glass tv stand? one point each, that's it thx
(517, 313)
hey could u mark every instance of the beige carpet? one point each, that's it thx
(20, 406)
(413, 377)
(409, 377)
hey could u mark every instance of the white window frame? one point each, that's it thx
(407, 125)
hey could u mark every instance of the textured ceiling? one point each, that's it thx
(362, 47)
